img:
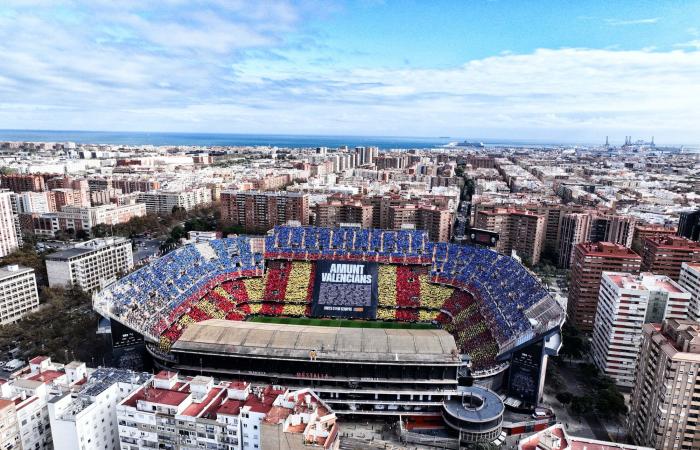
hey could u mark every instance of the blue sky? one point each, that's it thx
(559, 70)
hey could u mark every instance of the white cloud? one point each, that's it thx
(625, 22)
(184, 71)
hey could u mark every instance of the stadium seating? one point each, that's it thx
(478, 295)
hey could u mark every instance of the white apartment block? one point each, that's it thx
(30, 392)
(87, 420)
(9, 241)
(690, 281)
(625, 303)
(179, 414)
(34, 202)
(90, 265)
(163, 202)
(18, 293)
(9, 432)
(84, 218)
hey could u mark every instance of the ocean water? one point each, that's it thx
(221, 139)
(215, 139)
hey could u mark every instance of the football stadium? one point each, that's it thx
(377, 322)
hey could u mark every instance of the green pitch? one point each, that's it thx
(341, 323)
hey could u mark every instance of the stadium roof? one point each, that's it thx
(284, 341)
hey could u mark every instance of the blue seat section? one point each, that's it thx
(145, 297)
(503, 286)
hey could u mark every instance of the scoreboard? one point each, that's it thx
(345, 289)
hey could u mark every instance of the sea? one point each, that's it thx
(226, 139)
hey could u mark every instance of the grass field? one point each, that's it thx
(341, 323)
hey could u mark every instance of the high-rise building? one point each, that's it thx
(9, 235)
(23, 182)
(258, 212)
(335, 212)
(690, 281)
(34, 202)
(18, 293)
(91, 264)
(625, 303)
(642, 232)
(665, 255)
(613, 228)
(518, 230)
(689, 225)
(664, 409)
(588, 262)
(575, 228)
(163, 202)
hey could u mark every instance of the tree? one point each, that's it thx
(27, 256)
(63, 328)
(581, 405)
(564, 397)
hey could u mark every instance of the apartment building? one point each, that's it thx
(129, 185)
(9, 431)
(665, 255)
(626, 302)
(73, 219)
(258, 212)
(334, 212)
(88, 419)
(69, 197)
(689, 280)
(689, 225)
(588, 262)
(519, 230)
(664, 409)
(34, 202)
(183, 413)
(9, 235)
(642, 232)
(18, 293)
(614, 228)
(89, 265)
(23, 182)
(163, 202)
(575, 228)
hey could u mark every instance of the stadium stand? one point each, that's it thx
(487, 301)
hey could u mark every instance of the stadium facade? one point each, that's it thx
(418, 320)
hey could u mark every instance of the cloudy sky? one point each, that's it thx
(556, 70)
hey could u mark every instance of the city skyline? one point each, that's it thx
(559, 72)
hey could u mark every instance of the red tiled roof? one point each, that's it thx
(47, 376)
(38, 359)
(195, 408)
(157, 396)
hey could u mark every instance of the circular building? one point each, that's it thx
(477, 415)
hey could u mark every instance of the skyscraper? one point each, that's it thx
(665, 255)
(626, 302)
(689, 225)
(575, 229)
(588, 262)
(8, 225)
(663, 407)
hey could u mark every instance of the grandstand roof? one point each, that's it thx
(284, 341)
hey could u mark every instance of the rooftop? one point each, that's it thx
(645, 282)
(334, 343)
(13, 270)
